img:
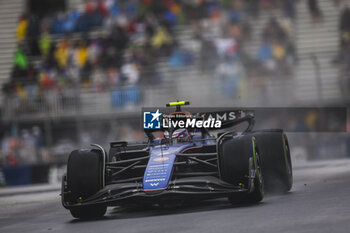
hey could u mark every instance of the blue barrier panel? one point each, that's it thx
(117, 99)
(132, 95)
(20, 175)
(127, 95)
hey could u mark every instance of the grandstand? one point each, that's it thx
(9, 12)
(318, 44)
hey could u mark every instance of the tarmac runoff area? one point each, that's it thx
(319, 202)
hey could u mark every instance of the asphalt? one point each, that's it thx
(28, 189)
(319, 202)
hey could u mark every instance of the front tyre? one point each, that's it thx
(240, 165)
(258, 194)
(258, 188)
(84, 179)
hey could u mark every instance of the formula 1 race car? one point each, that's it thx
(183, 164)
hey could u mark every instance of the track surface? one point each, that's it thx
(319, 202)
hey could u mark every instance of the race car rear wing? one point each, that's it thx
(248, 118)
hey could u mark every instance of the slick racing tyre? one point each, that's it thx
(276, 160)
(238, 159)
(85, 178)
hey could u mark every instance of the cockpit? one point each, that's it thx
(178, 136)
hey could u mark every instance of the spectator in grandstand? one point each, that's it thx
(162, 41)
(276, 53)
(39, 141)
(273, 31)
(345, 20)
(314, 9)
(130, 72)
(279, 54)
(62, 53)
(22, 28)
(34, 29)
(229, 74)
(20, 59)
(32, 73)
(20, 65)
(10, 159)
(81, 54)
(23, 149)
(46, 80)
(26, 150)
(289, 8)
(114, 79)
(45, 44)
(265, 56)
(180, 57)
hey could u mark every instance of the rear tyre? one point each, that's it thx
(239, 158)
(84, 179)
(276, 160)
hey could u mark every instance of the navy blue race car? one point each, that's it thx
(182, 164)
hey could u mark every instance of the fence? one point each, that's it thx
(70, 103)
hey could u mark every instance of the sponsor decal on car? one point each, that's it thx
(160, 159)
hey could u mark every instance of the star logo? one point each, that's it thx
(151, 120)
(155, 115)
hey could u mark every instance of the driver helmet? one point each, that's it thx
(181, 135)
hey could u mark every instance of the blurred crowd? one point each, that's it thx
(225, 31)
(28, 147)
(109, 44)
(277, 53)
